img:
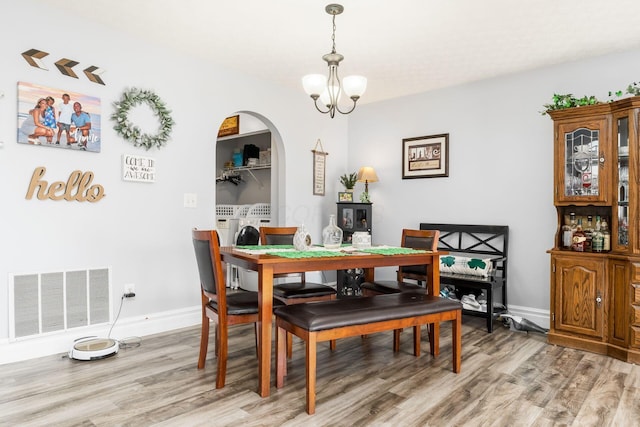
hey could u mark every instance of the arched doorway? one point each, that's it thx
(251, 182)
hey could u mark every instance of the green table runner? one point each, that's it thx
(265, 247)
(393, 251)
(321, 253)
(287, 251)
(308, 254)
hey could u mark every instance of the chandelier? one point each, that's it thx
(328, 90)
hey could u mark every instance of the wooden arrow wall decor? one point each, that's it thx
(34, 58)
(64, 65)
(93, 73)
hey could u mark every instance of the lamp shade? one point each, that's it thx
(314, 84)
(355, 86)
(367, 174)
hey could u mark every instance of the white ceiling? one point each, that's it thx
(402, 47)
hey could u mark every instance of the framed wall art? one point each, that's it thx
(345, 196)
(58, 118)
(230, 126)
(138, 168)
(425, 156)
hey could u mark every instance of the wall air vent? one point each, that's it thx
(41, 303)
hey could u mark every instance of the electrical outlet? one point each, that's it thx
(129, 289)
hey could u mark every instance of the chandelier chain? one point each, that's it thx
(333, 37)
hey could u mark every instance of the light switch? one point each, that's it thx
(190, 200)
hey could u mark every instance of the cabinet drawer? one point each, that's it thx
(635, 297)
(635, 337)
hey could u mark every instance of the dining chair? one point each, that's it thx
(238, 307)
(298, 291)
(415, 239)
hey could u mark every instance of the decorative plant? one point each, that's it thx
(560, 102)
(132, 133)
(349, 180)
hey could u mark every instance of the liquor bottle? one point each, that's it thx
(606, 244)
(597, 240)
(566, 236)
(573, 224)
(332, 234)
(589, 232)
(579, 237)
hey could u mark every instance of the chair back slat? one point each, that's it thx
(277, 235)
(280, 236)
(206, 244)
(420, 239)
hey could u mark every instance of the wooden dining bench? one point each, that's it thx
(330, 320)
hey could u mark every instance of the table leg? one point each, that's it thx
(433, 288)
(369, 274)
(265, 301)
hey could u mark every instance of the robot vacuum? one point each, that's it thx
(93, 348)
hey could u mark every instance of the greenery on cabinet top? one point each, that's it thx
(564, 101)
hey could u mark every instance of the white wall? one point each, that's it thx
(142, 231)
(500, 166)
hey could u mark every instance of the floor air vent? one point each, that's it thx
(41, 303)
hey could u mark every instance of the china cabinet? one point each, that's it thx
(595, 294)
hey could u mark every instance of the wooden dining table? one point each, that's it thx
(269, 265)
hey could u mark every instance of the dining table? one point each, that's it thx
(269, 263)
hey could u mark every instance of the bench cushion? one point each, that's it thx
(319, 316)
(471, 266)
(298, 290)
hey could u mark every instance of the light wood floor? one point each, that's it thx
(507, 379)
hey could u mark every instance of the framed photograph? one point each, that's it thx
(345, 196)
(425, 156)
(230, 126)
(58, 118)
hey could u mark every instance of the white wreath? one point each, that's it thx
(132, 133)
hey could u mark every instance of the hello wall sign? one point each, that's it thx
(78, 187)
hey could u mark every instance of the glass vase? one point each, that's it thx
(332, 234)
(302, 239)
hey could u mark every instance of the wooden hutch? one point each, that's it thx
(595, 297)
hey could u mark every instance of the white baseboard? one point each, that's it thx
(537, 316)
(46, 345)
(150, 324)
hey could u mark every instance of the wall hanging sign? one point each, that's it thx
(58, 118)
(319, 167)
(78, 187)
(230, 126)
(132, 98)
(138, 169)
(425, 156)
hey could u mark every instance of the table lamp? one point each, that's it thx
(366, 174)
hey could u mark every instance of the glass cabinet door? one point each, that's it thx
(583, 176)
(621, 223)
